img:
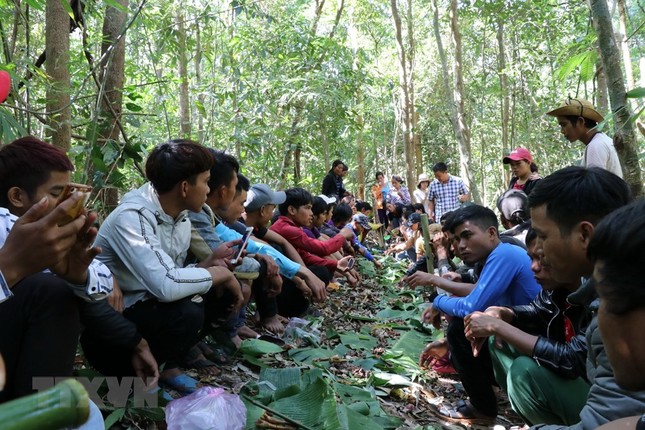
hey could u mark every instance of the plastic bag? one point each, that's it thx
(208, 408)
(300, 333)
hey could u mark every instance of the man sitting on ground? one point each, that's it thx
(505, 279)
(145, 241)
(565, 208)
(538, 350)
(617, 249)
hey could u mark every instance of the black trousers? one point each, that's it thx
(170, 329)
(476, 373)
(39, 328)
(291, 302)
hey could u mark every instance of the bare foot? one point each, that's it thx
(245, 332)
(273, 324)
(236, 341)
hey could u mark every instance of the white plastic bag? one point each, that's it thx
(208, 408)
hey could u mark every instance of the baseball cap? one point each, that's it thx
(363, 220)
(413, 219)
(328, 199)
(512, 202)
(260, 195)
(518, 154)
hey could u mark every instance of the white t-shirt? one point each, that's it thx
(421, 196)
(600, 152)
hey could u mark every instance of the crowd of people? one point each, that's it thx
(547, 307)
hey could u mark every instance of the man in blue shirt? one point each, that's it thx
(505, 279)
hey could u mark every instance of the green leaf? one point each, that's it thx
(358, 341)
(133, 107)
(257, 347)
(310, 355)
(114, 417)
(636, 93)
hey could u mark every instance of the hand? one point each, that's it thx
(302, 286)
(315, 285)
(479, 324)
(378, 264)
(37, 242)
(422, 278)
(432, 315)
(463, 198)
(115, 299)
(452, 276)
(272, 267)
(500, 312)
(347, 233)
(221, 255)
(342, 265)
(73, 267)
(144, 364)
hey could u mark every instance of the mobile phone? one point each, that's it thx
(74, 211)
(245, 240)
(350, 263)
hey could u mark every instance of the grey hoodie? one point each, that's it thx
(145, 249)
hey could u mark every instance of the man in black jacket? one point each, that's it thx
(538, 350)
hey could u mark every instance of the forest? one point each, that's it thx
(287, 86)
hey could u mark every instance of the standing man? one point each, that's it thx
(446, 193)
(578, 121)
(333, 183)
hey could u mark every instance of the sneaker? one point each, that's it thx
(249, 269)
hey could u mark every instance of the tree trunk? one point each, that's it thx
(198, 82)
(112, 75)
(602, 99)
(407, 108)
(184, 100)
(58, 94)
(504, 96)
(624, 45)
(625, 138)
(463, 133)
(360, 158)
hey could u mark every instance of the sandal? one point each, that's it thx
(183, 384)
(195, 359)
(465, 412)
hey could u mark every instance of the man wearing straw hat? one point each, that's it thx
(578, 120)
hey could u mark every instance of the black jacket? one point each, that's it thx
(528, 185)
(544, 317)
(329, 187)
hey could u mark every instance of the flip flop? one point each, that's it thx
(465, 412)
(183, 384)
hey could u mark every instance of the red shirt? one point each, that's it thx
(311, 250)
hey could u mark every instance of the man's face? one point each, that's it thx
(196, 193)
(572, 131)
(301, 216)
(266, 213)
(51, 189)
(235, 209)
(623, 338)
(441, 176)
(542, 274)
(228, 193)
(475, 244)
(565, 256)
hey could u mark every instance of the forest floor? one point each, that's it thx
(353, 367)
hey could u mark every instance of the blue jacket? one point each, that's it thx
(506, 280)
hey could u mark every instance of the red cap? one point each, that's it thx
(518, 154)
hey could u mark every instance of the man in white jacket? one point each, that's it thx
(145, 242)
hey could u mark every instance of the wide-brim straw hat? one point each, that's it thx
(577, 107)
